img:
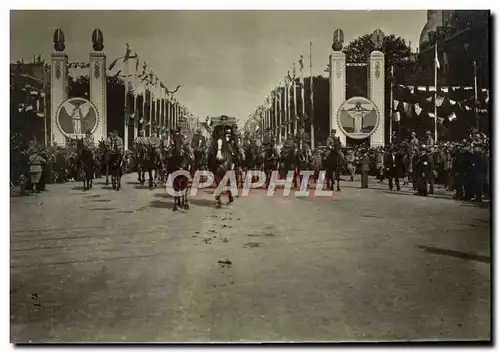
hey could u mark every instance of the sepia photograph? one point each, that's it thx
(250, 176)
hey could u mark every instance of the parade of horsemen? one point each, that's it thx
(155, 158)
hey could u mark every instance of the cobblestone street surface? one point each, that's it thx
(365, 264)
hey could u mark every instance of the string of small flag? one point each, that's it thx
(143, 79)
(441, 98)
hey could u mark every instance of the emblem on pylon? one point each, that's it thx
(358, 117)
(377, 70)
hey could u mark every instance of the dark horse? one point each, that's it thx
(148, 159)
(112, 160)
(303, 161)
(271, 162)
(220, 161)
(199, 159)
(332, 162)
(178, 159)
(112, 163)
(290, 159)
(85, 163)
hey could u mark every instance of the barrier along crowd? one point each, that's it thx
(417, 163)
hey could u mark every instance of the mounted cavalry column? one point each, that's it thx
(58, 85)
(98, 84)
(337, 81)
(376, 87)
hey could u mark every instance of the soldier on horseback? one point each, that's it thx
(141, 139)
(198, 141)
(305, 154)
(88, 141)
(198, 145)
(333, 160)
(333, 142)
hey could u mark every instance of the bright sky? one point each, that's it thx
(226, 61)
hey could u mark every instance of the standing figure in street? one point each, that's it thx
(394, 167)
(380, 164)
(423, 170)
(36, 162)
(365, 168)
(476, 174)
(350, 159)
(459, 170)
(433, 174)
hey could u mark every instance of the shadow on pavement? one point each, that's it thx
(142, 187)
(410, 193)
(77, 188)
(162, 204)
(455, 253)
(163, 195)
(203, 202)
(101, 200)
(484, 205)
(103, 209)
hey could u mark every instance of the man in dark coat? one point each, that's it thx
(394, 167)
(365, 168)
(476, 174)
(459, 171)
(424, 167)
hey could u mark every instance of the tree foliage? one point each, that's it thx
(395, 49)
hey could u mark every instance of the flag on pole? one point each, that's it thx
(418, 110)
(439, 101)
(396, 116)
(396, 104)
(452, 117)
(301, 64)
(407, 108)
(436, 59)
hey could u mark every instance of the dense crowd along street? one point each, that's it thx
(462, 166)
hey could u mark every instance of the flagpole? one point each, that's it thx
(391, 105)
(311, 95)
(150, 110)
(302, 87)
(287, 106)
(44, 107)
(125, 108)
(475, 96)
(435, 92)
(294, 103)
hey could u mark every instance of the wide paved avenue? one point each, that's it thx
(365, 264)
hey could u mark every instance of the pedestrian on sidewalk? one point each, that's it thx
(365, 168)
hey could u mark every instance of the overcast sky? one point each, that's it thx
(227, 61)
